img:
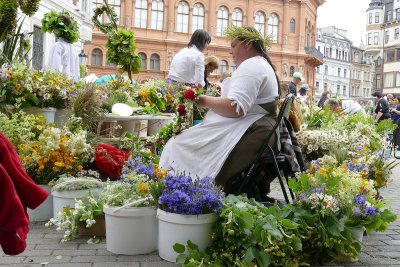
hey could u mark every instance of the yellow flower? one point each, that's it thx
(79, 167)
(59, 164)
(18, 86)
(143, 189)
(55, 169)
(323, 172)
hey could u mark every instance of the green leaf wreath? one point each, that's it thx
(53, 22)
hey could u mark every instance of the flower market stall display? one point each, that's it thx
(84, 218)
(187, 211)
(131, 224)
(66, 188)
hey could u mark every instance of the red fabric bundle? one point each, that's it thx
(110, 160)
(17, 191)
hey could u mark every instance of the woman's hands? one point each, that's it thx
(220, 105)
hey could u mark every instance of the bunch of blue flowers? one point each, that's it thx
(183, 195)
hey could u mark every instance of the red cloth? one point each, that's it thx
(110, 160)
(17, 191)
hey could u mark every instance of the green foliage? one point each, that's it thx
(29, 7)
(52, 22)
(83, 70)
(385, 126)
(121, 51)
(107, 28)
(320, 118)
(8, 17)
(246, 36)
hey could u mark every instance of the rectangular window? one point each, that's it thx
(398, 14)
(389, 16)
(318, 69)
(317, 85)
(345, 73)
(141, 14)
(354, 74)
(386, 36)
(388, 79)
(338, 89)
(369, 38)
(376, 38)
(339, 71)
(396, 33)
(326, 69)
(370, 18)
(325, 86)
(376, 17)
(378, 81)
(398, 79)
(398, 54)
(344, 90)
(390, 55)
(358, 75)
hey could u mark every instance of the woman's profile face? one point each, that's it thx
(238, 52)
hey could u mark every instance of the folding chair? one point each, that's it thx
(267, 158)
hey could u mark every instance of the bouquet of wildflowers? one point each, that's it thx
(118, 90)
(55, 152)
(134, 186)
(156, 96)
(185, 96)
(14, 85)
(85, 212)
(183, 195)
(84, 179)
(369, 213)
(213, 90)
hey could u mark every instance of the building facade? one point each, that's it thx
(383, 44)
(334, 74)
(42, 42)
(162, 28)
(362, 72)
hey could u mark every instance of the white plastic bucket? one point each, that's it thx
(62, 199)
(131, 231)
(177, 228)
(44, 212)
(48, 113)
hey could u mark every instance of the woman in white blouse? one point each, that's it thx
(237, 123)
(187, 66)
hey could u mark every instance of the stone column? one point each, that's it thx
(285, 24)
(302, 26)
(128, 14)
(212, 17)
(170, 18)
(148, 20)
(250, 13)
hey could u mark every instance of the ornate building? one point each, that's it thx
(162, 28)
(383, 44)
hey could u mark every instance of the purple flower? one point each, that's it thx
(372, 212)
(359, 200)
(357, 212)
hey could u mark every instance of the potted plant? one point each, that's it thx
(187, 211)
(131, 224)
(84, 218)
(67, 187)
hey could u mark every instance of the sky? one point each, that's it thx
(348, 15)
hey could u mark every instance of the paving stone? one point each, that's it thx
(116, 264)
(49, 259)
(11, 260)
(93, 246)
(59, 246)
(37, 252)
(159, 264)
(387, 254)
(94, 258)
(74, 252)
(54, 235)
(146, 257)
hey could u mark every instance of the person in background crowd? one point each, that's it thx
(324, 97)
(392, 101)
(63, 56)
(382, 107)
(351, 106)
(395, 116)
(237, 122)
(225, 75)
(211, 63)
(187, 66)
(303, 93)
(297, 78)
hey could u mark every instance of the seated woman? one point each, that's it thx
(238, 122)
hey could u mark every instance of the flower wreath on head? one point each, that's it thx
(53, 22)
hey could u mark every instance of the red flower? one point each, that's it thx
(189, 94)
(182, 110)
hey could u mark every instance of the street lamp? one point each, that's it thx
(82, 58)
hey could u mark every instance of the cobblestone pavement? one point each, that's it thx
(44, 247)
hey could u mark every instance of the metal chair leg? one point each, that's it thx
(279, 175)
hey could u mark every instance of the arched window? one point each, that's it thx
(143, 60)
(141, 14)
(273, 25)
(291, 71)
(233, 67)
(222, 20)
(157, 15)
(259, 22)
(97, 57)
(223, 66)
(182, 21)
(237, 18)
(155, 62)
(292, 25)
(198, 17)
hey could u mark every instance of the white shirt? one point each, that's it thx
(187, 66)
(351, 106)
(64, 58)
(201, 150)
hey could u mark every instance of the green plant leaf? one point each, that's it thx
(179, 248)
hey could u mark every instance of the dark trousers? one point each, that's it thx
(396, 134)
